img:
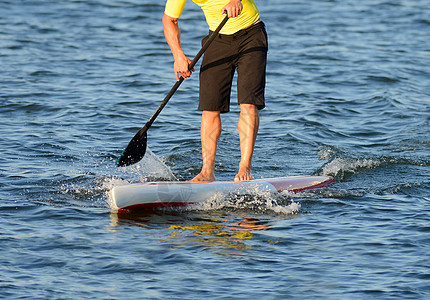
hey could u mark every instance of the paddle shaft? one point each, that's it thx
(181, 79)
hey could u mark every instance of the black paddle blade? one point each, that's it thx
(135, 150)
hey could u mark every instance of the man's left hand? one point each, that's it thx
(233, 8)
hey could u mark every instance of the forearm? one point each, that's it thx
(173, 36)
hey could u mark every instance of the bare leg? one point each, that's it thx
(248, 128)
(210, 132)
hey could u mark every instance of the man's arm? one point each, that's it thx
(173, 38)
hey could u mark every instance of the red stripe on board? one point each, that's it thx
(317, 186)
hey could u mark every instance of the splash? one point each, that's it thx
(150, 168)
(340, 163)
(250, 198)
(338, 167)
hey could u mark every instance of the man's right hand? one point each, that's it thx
(180, 66)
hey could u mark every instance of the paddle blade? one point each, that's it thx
(135, 150)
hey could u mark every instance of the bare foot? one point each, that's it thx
(244, 174)
(204, 177)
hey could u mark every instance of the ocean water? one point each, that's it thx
(348, 95)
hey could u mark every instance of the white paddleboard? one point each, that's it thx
(151, 195)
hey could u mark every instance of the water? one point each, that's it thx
(347, 96)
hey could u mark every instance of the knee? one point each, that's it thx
(249, 109)
(210, 115)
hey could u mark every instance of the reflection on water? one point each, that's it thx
(225, 235)
(223, 238)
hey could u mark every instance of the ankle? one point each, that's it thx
(207, 170)
(246, 166)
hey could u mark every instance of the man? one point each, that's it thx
(242, 46)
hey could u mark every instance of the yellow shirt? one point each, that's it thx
(212, 11)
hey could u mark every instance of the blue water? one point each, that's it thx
(347, 95)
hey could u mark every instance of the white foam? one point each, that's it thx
(249, 198)
(341, 165)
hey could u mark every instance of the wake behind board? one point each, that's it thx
(151, 195)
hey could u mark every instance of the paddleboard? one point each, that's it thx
(150, 195)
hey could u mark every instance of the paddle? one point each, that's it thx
(137, 147)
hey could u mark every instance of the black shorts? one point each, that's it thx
(244, 51)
